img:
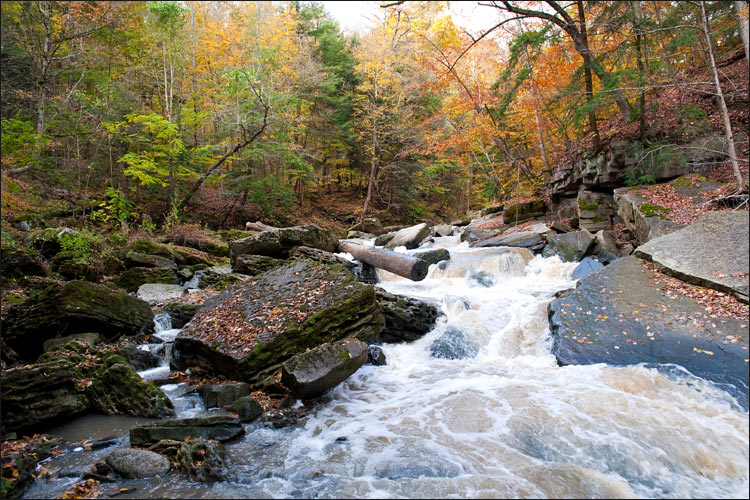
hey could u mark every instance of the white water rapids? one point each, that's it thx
(507, 423)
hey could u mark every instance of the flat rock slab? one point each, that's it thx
(156, 292)
(220, 428)
(132, 463)
(523, 239)
(712, 252)
(618, 315)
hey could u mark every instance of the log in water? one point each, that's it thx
(397, 263)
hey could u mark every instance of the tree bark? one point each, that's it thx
(586, 55)
(720, 98)
(397, 263)
(744, 25)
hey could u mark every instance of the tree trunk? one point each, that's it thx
(720, 98)
(744, 15)
(586, 54)
(397, 263)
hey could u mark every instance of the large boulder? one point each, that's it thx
(42, 393)
(278, 242)
(443, 230)
(220, 428)
(17, 263)
(76, 270)
(311, 374)
(76, 307)
(200, 459)
(634, 321)
(134, 277)
(571, 247)
(409, 237)
(644, 219)
(248, 332)
(712, 252)
(254, 264)
(137, 259)
(521, 239)
(521, 212)
(134, 463)
(181, 255)
(406, 319)
(434, 256)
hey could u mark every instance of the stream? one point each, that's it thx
(506, 422)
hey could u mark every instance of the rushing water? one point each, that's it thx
(506, 423)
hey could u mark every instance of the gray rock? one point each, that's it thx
(605, 247)
(521, 212)
(220, 428)
(134, 277)
(137, 259)
(76, 307)
(157, 292)
(222, 395)
(443, 230)
(712, 252)
(74, 270)
(409, 237)
(491, 210)
(278, 242)
(87, 338)
(406, 319)
(359, 234)
(453, 345)
(644, 226)
(571, 247)
(313, 373)
(522, 239)
(370, 225)
(586, 267)
(247, 409)
(639, 323)
(254, 264)
(139, 359)
(319, 255)
(434, 256)
(134, 463)
(376, 356)
(383, 239)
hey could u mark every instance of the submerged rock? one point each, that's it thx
(247, 409)
(134, 463)
(248, 332)
(434, 256)
(376, 356)
(406, 319)
(313, 373)
(453, 345)
(76, 307)
(220, 428)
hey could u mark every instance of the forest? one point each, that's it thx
(249, 251)
(152, 113)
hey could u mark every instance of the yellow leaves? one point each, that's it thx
(703, 351)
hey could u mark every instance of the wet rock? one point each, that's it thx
(482, 278)
(383, 239)
(307, 303)
(586, 267)
(83, 338)
(364, 272)
(376, 356)
(370, 225)
(712, 252)
(453, 345)
(20, 459)
(202, 460)
(443, 230)
(639, 325)
(571, 247)
(247, 409)
(134, 463)
(434, 256)
(137, 358)
(252, 265)
(155, 292)
(313, 373)
(605, 247)
(222, 395)
(409, 237)
(137, 259)
(278, 242)
(76, 307)
(220, 428)
(406, 319)
(41, 393)
(181, 313)
(133, 278)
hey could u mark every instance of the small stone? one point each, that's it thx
(134, 463)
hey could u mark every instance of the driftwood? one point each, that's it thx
(259, 226)
(397, 263)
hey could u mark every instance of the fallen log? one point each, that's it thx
(259, 226)
(397, 263)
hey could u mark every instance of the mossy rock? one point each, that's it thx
(134, 277)
(235, 234)
(181, 313)
(17, 263)
(76, 307)
(77, 270)
(523, 211)
(651, 210)
(278, 242)
(252, 265)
